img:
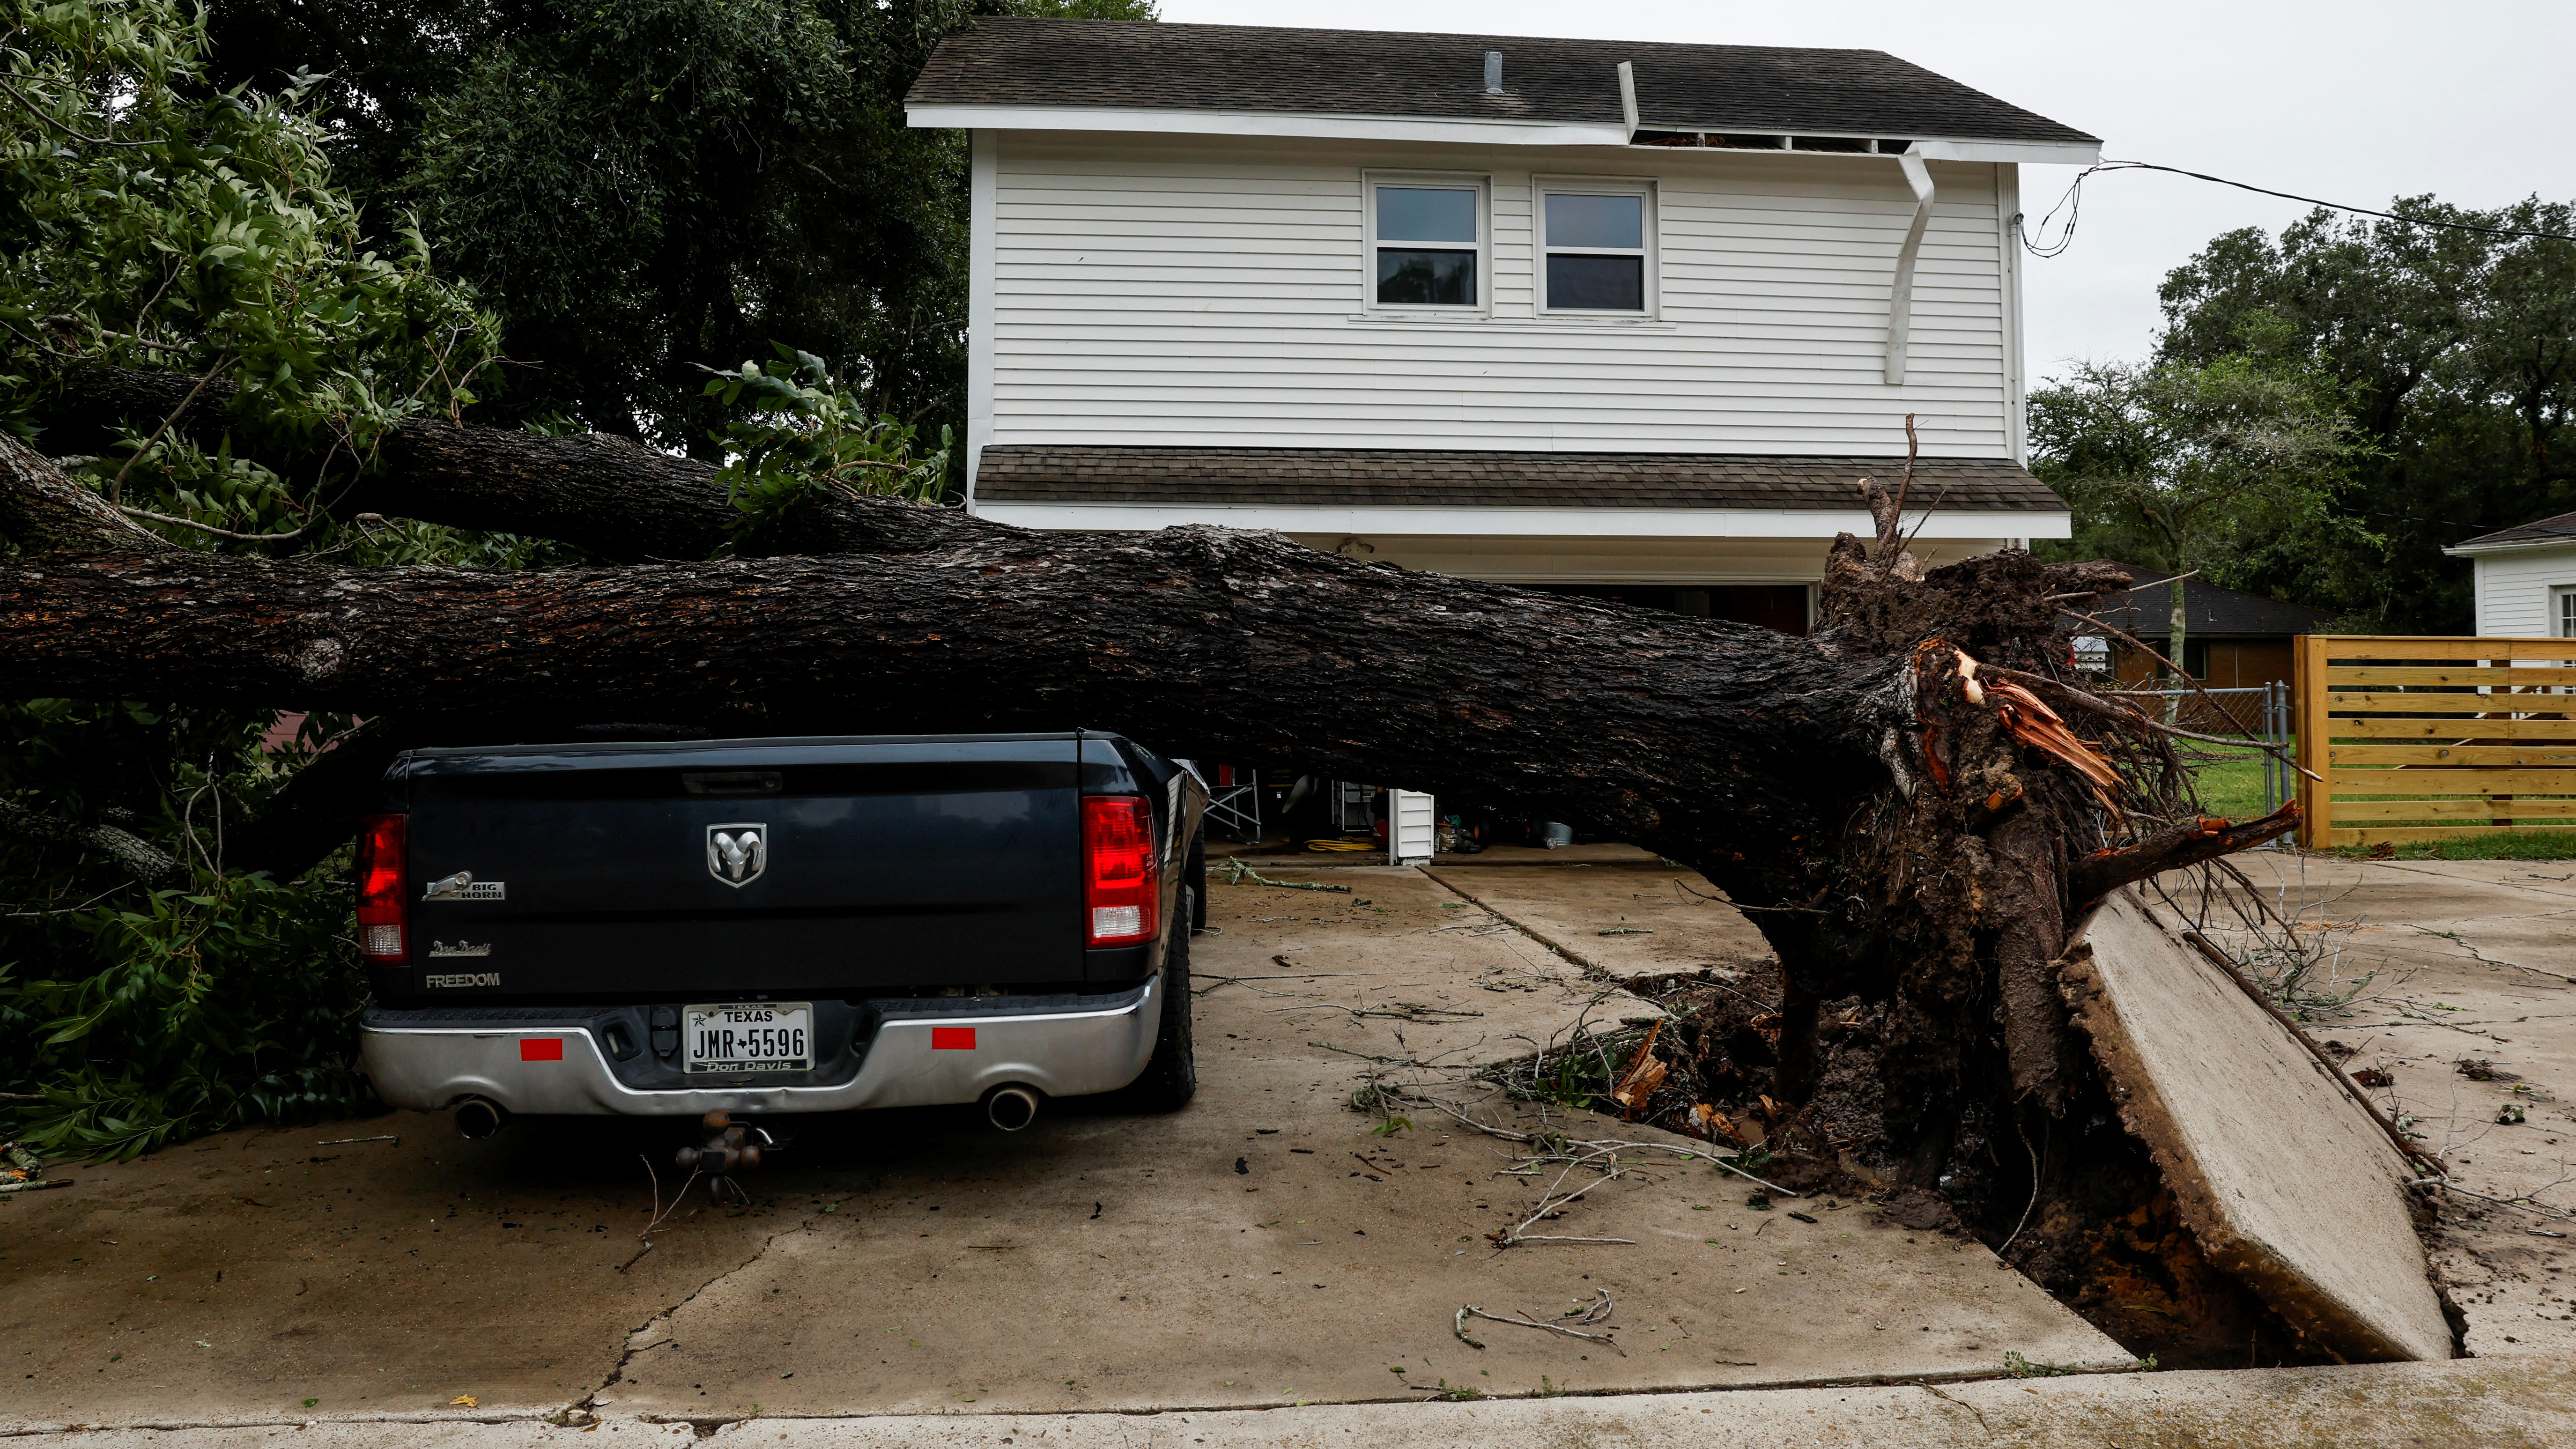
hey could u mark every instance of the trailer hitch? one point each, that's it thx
(731, 1147)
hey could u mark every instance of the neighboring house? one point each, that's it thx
(2525, 579)
(1625, 318)
(2231, 639)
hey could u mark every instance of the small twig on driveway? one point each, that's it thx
(659, 1212)
(1596, 1147)
(1591, 1315)
(1237, 872)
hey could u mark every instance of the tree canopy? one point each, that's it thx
(2451, 352)
(218, 306)
(645, 189)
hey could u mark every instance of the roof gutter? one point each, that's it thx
(1473, 130)
(2473, 548)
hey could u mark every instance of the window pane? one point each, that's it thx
(1425, 279)
(1421, 213)
(1599, 284)
(1596, 221)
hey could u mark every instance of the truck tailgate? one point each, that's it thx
(830, 868)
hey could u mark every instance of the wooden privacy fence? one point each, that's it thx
(2434, 738)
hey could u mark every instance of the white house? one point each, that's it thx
(1622, 316)
(2525, 579)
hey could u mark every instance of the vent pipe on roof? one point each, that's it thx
(1493, 72)
(1628, 97)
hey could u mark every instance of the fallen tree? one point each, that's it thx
(1913, 804)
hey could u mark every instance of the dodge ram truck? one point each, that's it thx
(772, 926)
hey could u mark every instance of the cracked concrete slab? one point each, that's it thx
(1270, 1245)
(249, 1272)
(2283, 1177)
(1627, 917)
(2454, 984)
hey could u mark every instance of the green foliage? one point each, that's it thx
(144, 225)
(2022, 1368)
(658, 185)
(2193, 467)
(790, 433)
(2454, 353)
(139, 1017)
(149, 221)
(643, 192)
(169, 1013)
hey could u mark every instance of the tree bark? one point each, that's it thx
(607, 495)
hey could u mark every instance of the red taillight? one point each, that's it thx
(383, 910)
(1120, 905)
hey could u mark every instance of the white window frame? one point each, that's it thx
(2562, 611)
(1483, 186)
(1640, 186)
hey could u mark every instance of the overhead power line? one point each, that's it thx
(2072, 204)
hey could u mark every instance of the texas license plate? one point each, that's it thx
(758, 1036)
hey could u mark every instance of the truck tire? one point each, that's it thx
(1171, 1077)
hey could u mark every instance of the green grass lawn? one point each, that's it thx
(2233, 786)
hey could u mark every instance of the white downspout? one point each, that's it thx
(1900, 300)
(1628, 97)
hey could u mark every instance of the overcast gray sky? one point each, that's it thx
(2355, 101)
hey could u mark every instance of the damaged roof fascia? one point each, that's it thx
(1467, 129)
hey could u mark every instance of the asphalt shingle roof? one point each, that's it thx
(2546, 530)
(1751, 88)
(1423, 477)
(2146, 610)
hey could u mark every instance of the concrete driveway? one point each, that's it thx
(1269, 1247)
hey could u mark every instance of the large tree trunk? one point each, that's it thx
(607, 495)
(1902, 813)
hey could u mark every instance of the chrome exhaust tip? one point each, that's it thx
(1011, 1108)
(477, 1119)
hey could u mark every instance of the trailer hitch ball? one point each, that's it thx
(728, 1148)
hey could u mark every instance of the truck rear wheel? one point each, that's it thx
(1172, 1076)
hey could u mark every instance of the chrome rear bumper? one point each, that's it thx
(1061, 1052)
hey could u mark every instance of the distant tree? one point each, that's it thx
(2209, 470)
(2453, 352)
(645, 189)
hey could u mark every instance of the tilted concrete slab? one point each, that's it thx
(2281, 1176)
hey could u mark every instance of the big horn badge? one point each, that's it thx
(737, 853)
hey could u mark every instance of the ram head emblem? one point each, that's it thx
(737, 853)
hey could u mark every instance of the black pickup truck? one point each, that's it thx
(781, 926)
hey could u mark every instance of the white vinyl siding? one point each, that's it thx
(1191, 291)
(2516, 592)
